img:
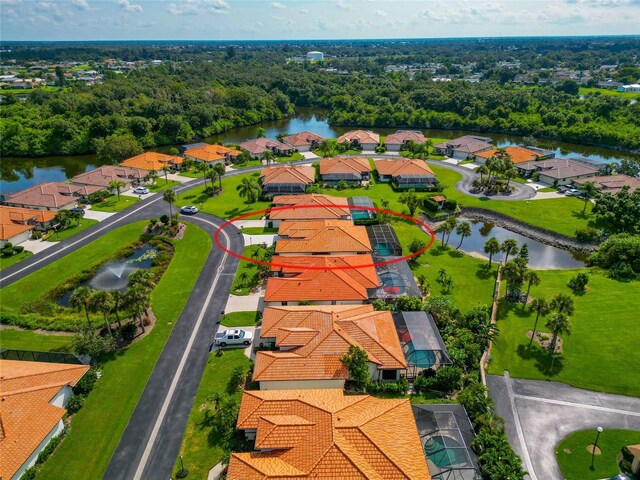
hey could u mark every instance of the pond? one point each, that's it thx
(541, 256)
(20, 173)
(115, 275)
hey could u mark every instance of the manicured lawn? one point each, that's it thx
(8, 261)
(201, 448)
(259, 230)
(27, 340)
(575, 460)
(606, 92)
(547, 189)
(190, 173)
(291, 158)
(112, 204)
(72, 230)
(243, 286)
(239, 319)
(161, 185)
(96, 429)
(247, 164)
(601, 352)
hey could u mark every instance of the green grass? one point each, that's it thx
(190, 173)
(161, 185)
(17, 91)
(601, 352)
(575, 460)
(72, 230)
(259, 230)
(96, 429)
(112, 204)
(6, 262)
(607, 93)
(547, 189)
(27, 340)
(239, 319)
(250, 268)
(201, 448)
(295, 156)
(249, 163)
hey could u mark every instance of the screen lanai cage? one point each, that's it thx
(384, 241)
(446, 435)
(357, 214)
(396, 280)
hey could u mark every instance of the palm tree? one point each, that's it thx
(482, 170)
(588, 190)
(562, 303)
(559, 324)
(511, 173)
(102, 301)
(532, 278)
(142, 277)
(513, 272)
(249, 189)
(203, 167)
(464, 230)
(170, 197)
(153, 175)
(220, 170)
(166, 170)
(444, 229)
(116, 185)
(80, 298)
(451, 222)
(118, 301)
(211, 175)
(268, 157)
(139, 300)
(243, 277)
(509, 246)
(541, 307)
(491, 248)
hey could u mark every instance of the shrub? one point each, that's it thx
(29, 474)
(165, 219)
(587, 234)
(238, 376)
(446, 379)
(8, 245)
(18, 249)
(399, 387)
(430, 205)
(620, 254)
(342, 185)
(48, 450)
(450, 205)
(36, 235)
(8, 252)
(86, 383)
(74, 404)
(579, 282)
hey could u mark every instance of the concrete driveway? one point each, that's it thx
(539, 414)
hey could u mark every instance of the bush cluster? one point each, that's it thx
(401, 387)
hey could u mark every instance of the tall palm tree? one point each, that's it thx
(203, 167)
(482, 170)
(559, 324)
(562, 303)
(118, 302)
(513, 272)
(249, 189)
(509, 246)
(170, 197)
(541, 307)
(464, 230)
(212, 176)
(220, 170)
(116, 185)
(139, 300)
(444, 229)
(80, 299)
(166, 170)
(452, 223)
(491, 248)
(532, 278)
(268, 157)
(588, 190)
(511, 173)
(102, 301)
(142, 277)
(153, 175)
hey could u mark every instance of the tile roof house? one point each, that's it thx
(297, 282)
(16, 224)
(153, 161)
(396, 141)
(558, 171)
(286, 179)
(52, 196)
(612, 183)
(334, 208)
(365, 139)
(464, 147)
(34, 395)
(311, 341)
(102, 176)
(322, 237)
(406, 173)
(303, 141)
(517, 154)
(313, 434)
(353, 170)
(257, 147)
(211, 153)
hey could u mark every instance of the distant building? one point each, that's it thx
(318, 56)
(559, 171)
(364, 139)
(259, 146)
(304, 141)
(396, 141)
(635, 87)
(463, 148)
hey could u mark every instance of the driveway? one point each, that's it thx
(97, 214)
(539, 414)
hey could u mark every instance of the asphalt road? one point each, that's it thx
(539, 414)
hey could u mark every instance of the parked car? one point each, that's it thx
(233, 337)
(141, 190)
(572, 192)
(189, 210)
(78, 210)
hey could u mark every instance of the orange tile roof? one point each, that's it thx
(8, 231)
(344, 165)
(316, 213)
(303, 138)
(102, 176)
(352, 265)
(26, 416)
(288, 174)
(403, 166)
(317, 339)
(23, 215)
(313, 434)
(211, 153)
(322, 236)
(50, 195)
(152, 161)
(402, 136)
(315, 285)
(362, 136)
(517, 154)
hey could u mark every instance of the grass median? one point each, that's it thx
(6, 262)
(71, 230)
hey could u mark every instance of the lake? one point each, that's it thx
(19, 173)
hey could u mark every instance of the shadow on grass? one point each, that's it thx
(455, 253)
(484, 272)
(543, 361)
(518, 309)
(438, 250)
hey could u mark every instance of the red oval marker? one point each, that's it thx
(424, 226)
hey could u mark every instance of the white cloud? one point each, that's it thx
(198, 7)
(278, 5)
(344, 5)
(81, 4)
(128, 6)
(304, 10)
(381, 13)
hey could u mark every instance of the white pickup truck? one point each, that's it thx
(233, 337)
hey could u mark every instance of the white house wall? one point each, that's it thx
(31, 461)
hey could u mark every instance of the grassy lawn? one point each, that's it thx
(239, 319)
(249, 163)
(259, 230)
(547, 189)
(599, 354)
(606, 92)
(201, 448)
(112, 204)
(575, 460)
(241, 287)
(96, 429)
(161, 185)
(291, 158)
(27, 340)
(72, 230)
(6, 262)
(190, 173)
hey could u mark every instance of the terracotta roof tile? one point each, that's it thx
(261, 145)
(517, 154)
(211, 153)
(352, 265)
(152, 161)
(302, 139)
(335, 207)
(288, 174)
(361, 136)
(10, 230)
(403, 136)
(335, 165)
(102, 176)
(612, 183)
(327, 236)
(50, 195)
(403, 166)
(315, 285)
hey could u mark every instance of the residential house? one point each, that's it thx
(515, 153)
(211, 153)
(153, 161)
(397, 141)
(318, 207)
(634, 87)
(103, 176)
(303, 141)
(312, 434)
(259, 146)
(558, 171)
(310, 341)
(286, 179)
(16, 224)
(611, 183)
(322, 237)
(602, 167)
(406, 173)
(353, 171)
(52, 196)
(34, 395)
(463, 148)
(364, 139)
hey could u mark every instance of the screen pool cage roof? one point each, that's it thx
(336, 177)
(384, 241)
(361, 202)
(446, 435)
(421, 342)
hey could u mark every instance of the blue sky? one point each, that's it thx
(319, 19)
